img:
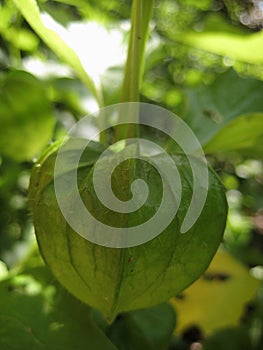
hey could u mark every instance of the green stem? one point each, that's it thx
(132, 70)
(140, 18)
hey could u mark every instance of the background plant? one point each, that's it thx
(203, 62)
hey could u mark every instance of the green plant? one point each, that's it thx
(117, 281)
(103, 277)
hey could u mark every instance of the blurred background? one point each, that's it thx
(204, 62)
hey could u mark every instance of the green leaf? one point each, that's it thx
(111, 82)
(68, 93)
(229, 339)
(3, 270)
(115, 280)
(243, 134)
(42, 315)
(30, 11)
(212, 107)
(149, 329)
(102, 11)
(25, 115)
(21, 38)
(242, 47)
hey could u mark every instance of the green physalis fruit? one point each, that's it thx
(121, 279)
(25, 116)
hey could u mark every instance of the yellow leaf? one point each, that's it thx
(218, 298)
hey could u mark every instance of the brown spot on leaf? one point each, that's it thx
(131, 260)
(180, 296)
(216, 276)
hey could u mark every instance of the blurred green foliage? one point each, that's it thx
(204, 61)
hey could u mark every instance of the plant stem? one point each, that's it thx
(140, 18)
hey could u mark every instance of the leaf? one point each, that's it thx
(149, 329)
(241, 46)
(212, 107)
(243, 134)
(217, 299)
(68, 92)
(21, 38)
(25, 115)
(102, 11)
(44, 316)
(111, 82)
(30, 11)
(229, 339)
(115, 280)
(3, 270)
